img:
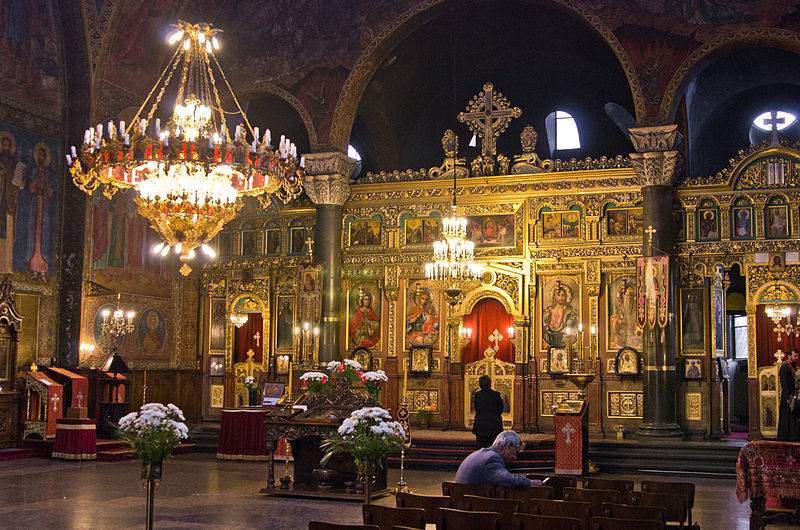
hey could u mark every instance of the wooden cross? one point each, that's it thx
(779, 355)
(568, 429)
(55, 400)
(257, 336)
(488, 117)
(496, 337)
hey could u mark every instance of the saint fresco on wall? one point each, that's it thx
(29, 195)
(151, 332)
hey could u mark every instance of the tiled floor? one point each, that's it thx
(197, 491)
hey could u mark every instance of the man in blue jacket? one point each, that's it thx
(488, 465)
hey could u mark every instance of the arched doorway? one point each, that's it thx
(489, 350)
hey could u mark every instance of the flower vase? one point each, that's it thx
(367, 477)
(373, 394)
(252, 397)
(424, 421)
(151, 472)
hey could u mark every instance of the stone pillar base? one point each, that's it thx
(661, 430)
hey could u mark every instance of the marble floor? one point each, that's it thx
(198, 491)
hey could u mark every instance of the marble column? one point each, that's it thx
(655, 161)
(327, 185)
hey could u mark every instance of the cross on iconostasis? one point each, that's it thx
(496, 337)
(489, 115)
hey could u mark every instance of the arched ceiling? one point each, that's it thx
(725, 96)
(541, 58)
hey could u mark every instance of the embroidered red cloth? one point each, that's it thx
(572, 443)
(242, 436)
(76, 439)
(768, 469)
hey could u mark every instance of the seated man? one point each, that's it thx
(488, 465)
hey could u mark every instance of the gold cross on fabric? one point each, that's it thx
(496, 337)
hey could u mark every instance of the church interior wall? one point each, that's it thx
(555, 226)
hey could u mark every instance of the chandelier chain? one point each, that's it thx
(173, 62)
(235, 99)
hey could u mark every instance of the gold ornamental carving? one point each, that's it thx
(658, 138)
(625, 404)
(451, 161)
(655, 168)
(327, 189)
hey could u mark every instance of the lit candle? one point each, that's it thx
(290, 376)
(405, 379)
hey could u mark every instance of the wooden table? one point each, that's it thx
(76, 439)
(304, 436)
(768, 469)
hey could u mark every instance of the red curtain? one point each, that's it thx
(767, 339)
(488, 315)
(250, 337)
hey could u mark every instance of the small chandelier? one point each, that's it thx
(777, 311)
(118, 323)
(239, 319)
(453, 268)
(190, 175)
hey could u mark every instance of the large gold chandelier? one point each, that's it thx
(453, 269)
(191, 174)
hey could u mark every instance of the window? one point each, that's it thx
(562, 131)
(764, 121)
(740, 337)
(354, 154)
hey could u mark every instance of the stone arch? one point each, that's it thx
(373, 55)
(262, 87)
(768, 37)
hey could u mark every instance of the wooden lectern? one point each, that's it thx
(572, 438)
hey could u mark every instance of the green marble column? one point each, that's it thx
(326, 184)
(655, 162)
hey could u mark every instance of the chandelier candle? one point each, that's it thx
(190, 176)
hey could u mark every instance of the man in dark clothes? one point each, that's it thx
(488, 413)
(488, 465)
(788, 426)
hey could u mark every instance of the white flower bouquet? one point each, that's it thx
(313, 382)
(249, 382)
(154, 431)
(347, 369)
(369, 435)
(373, 381)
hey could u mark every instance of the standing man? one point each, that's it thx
(788, 426)
(488, 413)
(488, 465)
